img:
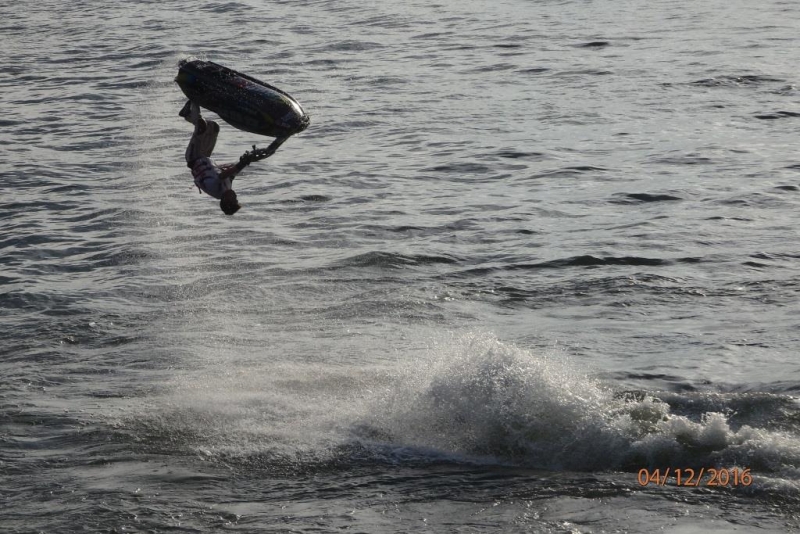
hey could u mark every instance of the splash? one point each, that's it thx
(468, 399)
(478, 397)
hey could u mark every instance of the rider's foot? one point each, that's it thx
(186, 109)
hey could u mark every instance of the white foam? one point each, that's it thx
(469, 398)
(478, 396)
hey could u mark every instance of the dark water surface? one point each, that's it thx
(525, 250)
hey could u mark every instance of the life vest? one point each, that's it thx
(207, 178)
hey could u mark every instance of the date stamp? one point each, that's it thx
(704, 476)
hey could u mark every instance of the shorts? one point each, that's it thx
(204, 138)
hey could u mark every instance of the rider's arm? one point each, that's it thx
(229, 171)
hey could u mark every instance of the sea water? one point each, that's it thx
(532, 262)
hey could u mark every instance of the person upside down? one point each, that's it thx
(217, 180)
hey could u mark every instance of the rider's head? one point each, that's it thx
(229, 204)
